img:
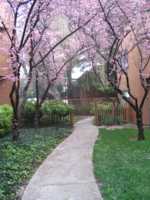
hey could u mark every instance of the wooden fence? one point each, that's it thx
(116, 114)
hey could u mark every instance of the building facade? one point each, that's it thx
(133, 63)
(5, 82)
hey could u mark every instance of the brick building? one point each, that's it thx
(133, 62)
(5, 84)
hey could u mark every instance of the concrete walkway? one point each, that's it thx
(67, 174)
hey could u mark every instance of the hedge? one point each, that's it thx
(52, 111)
(6, 114)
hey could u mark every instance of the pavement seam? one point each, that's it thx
(70, 183)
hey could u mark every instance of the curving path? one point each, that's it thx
(67, 173)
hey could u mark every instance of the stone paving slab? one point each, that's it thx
(67, 173)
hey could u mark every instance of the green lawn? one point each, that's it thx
(122, 165)
(19, 161)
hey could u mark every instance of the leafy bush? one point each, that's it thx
(5, 119)
(105, 113)
(108, 90)
(55, 111)
(101, 107)
(29, 112)
(51, 112)
(105, 106)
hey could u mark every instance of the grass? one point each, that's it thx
(122, 165)
(18, 161)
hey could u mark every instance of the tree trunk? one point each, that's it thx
(37, 116)
(139, 118)
(37, 119)
(37, 110)
(14, 98)
(15, 128)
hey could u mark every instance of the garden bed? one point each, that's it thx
(122, 165)
(18, 161)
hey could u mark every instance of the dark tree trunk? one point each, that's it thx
(37, 109)
(14, 98)
(15, 127)
(139, 118)
(37, 118)
(69, 82)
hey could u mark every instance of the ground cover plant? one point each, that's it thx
(122, 165)
(18, 161)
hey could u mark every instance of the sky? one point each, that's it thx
(77, 72)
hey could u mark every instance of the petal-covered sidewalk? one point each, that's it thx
(67, 173)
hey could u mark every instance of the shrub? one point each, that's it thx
(51, 112)
(101, 107)
(29, 112)
(6, 114)
(107, 90)
(55, 111)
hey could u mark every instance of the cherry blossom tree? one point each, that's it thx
(107, 26)
(128, 40)
(26, 33)
(121, 29)
(52, 68)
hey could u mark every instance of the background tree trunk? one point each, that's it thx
(37, 109)
(37, 117)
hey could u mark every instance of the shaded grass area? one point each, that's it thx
(18, 161)
(122, 165)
